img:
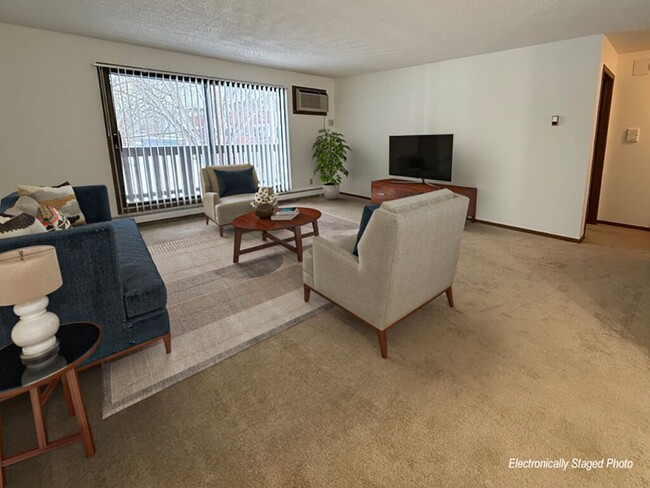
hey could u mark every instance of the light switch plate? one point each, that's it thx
(641, 67)
(632, 135)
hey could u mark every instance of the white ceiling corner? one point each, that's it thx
(627, 42)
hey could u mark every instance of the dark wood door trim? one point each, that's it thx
(600, 145)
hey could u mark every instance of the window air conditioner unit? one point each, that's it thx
(310, 101)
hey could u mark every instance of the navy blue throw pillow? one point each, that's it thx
(365, 218)
(235, 182)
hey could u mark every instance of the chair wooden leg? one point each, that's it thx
(220, 230)
(383, 346)
(450, 297)
(168, 343)
(207, 220)
(307, 291)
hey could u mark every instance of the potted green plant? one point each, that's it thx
(330, 152)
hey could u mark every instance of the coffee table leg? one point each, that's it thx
(298, 234)
(80, 411)
(263, 235)
(315, 226)
(235, 257)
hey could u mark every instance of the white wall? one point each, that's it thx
(499, 107)
(51, 121)
(625, 194)
(609, 56)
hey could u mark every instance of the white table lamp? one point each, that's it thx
(26, 276)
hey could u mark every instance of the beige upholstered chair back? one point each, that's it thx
(411, 246)
(209, 178)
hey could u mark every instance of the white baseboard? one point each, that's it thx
(186, 212)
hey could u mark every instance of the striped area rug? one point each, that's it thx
(216, 308)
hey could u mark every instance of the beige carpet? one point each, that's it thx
(216, 308)
(545, 356)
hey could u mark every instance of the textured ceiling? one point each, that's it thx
(331, 37)
(627, 42)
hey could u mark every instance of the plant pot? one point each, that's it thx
(331, 192)
(264, 211)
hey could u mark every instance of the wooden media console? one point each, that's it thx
(392, 189)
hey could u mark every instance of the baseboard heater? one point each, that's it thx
(307, 192)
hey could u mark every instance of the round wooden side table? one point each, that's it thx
(77, 341)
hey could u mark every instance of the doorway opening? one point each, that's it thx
(600, 144)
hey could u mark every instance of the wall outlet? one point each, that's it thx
(311, 181)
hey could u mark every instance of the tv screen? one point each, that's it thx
(425, 156)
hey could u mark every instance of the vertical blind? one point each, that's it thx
(163, 128)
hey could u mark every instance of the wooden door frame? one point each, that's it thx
(600, 145)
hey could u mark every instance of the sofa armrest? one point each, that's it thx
(347, 242)
(341, 277)
(210, 200)
(331, 253)
(93, 200)
(91, 288)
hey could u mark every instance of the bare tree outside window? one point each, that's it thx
(172, 126)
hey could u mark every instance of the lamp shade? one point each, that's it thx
(27, 274)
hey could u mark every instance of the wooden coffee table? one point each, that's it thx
(250, 222)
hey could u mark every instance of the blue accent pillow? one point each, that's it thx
(235, 182)
(365, 218)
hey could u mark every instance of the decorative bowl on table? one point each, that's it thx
(264, 211)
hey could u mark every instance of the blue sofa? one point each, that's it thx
(108, 275)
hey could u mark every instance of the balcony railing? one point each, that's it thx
(170, 176)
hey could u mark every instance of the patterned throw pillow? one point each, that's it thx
(18, 225)
(52, 219)
(60, 197)
(25, 205)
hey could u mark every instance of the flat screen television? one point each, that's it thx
(423, 156)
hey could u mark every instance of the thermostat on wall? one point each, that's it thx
(632, 135)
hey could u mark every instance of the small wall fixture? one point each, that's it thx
(632, 135)
(641, 67)
(555, 120)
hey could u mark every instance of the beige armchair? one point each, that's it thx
(407, 257)
(223, 210)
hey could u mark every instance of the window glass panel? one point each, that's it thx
(169, 127)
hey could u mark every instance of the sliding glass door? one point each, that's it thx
(163, 128)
